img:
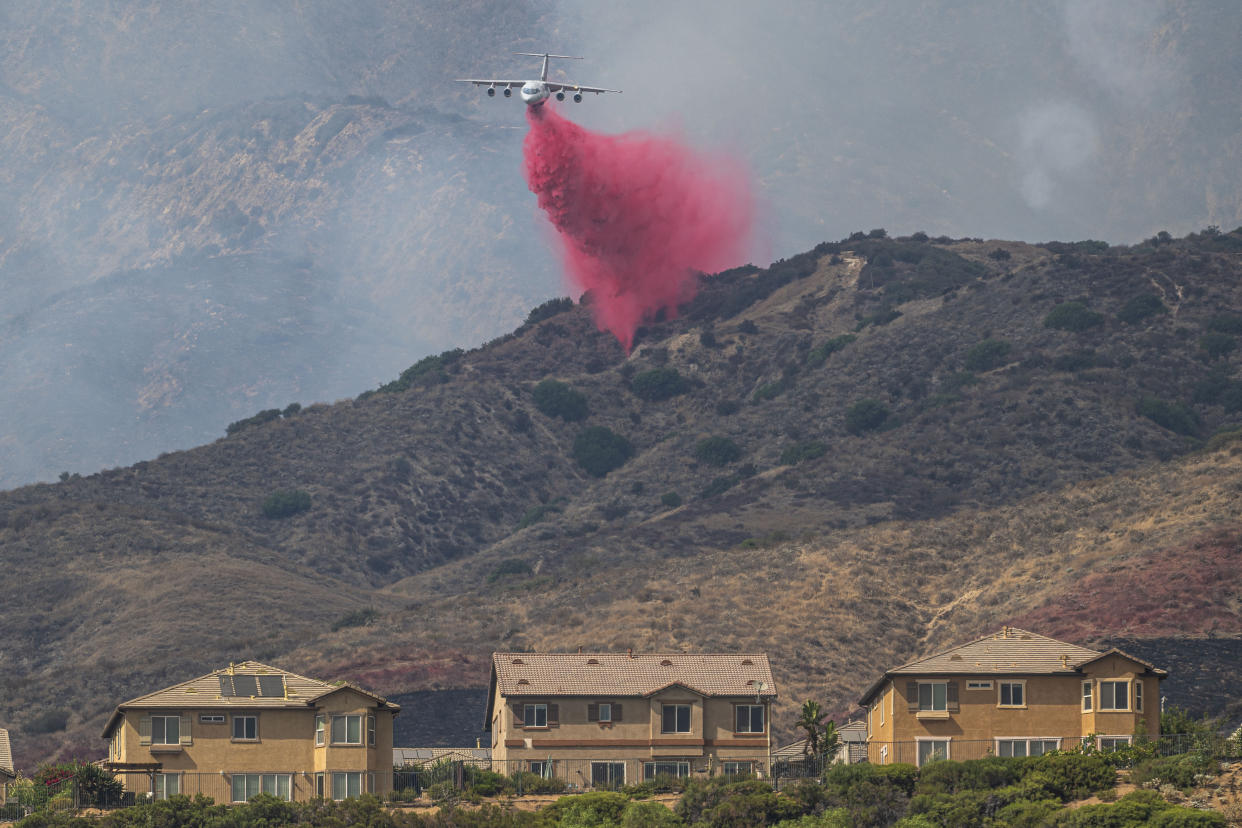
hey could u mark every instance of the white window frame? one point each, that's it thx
(346, 778)
(604, 712)
(370, 730)
(738, 765)
(677, 717)
(321, 730)
(1000, 692)
(883, 754)
(881, 706)
(1088, 697)
(918, 748)
(682, 771)
(1027, 746)
(611, 767)
(1116, 741)
(163, 739)
(750, 718)
(162, 786)
(979, 685)
(345, 740)
(540, 767)
(1114, 682)
(530, 715)
(211, 718)
(1136, 693)
(241, 719)
(933, 708)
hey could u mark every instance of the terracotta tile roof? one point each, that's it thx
(206, 691)
(620, 674)
(6, 754)
(430, 755)
(1009, 651)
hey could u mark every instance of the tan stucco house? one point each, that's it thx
(252, 728)
(606, 719)
(7, 772)
(1014, 693)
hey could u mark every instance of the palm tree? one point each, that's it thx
(812, 722)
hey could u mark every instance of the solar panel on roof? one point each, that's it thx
(226, 685)
(272, 687)
(244, 685)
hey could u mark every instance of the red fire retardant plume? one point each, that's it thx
(639, 215)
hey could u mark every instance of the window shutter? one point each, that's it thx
(951, 697)
(912, 696)
(554, 715)
(616, 712)
(518, 712)
(185, 730)
(144, 730)
(592, 712)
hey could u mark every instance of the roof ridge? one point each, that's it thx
(996, 636)
(249, 665)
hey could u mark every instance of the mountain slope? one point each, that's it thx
(862, 499)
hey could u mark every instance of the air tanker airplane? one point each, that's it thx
(535, 92)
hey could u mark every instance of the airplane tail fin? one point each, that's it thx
(546, 55)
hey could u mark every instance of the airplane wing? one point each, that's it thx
(573, 87)
(512, 84)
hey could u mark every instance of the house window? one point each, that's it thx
(1114, 695)
(346, 730)
(535, 715)
(319, 787)
(932, 750)
(676, 768)
(607, 774)
(1138, 695)
(748, 718)
(675, 718)
(541, 768)
(605, 712)
(737, 768)
(881, 706)
(1026, 747)
(249, 785)
(1013, 694)
(245, 728)
(167, 784)
(883, 754)
(1086, 697)
(1108, 744)
(978, 685)
(165, 730)
(371, 731)
(321, 724)
(211, 718)
(346, 785)
(933, 695)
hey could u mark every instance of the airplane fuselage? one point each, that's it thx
(534, 93)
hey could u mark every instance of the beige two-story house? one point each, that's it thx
(607, 719)
(1014, 693)
(252, 728)
(7, 773)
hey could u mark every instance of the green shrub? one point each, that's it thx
(596, 809)
(724, 801)
(509, 568)
(265, 416)
(1141, 307)
(599, 450)
(1075, 360)
(880, 317)
(532, 783)
(949, 777)
(719, 485)
(1072, 316)
(537, 513)
(865, 415)
(1140, 809)
(430, 370)
(649, 815)
(1216, 344)
(727, 408)
(717, 451)
(670, 499)
(1226, 324)
(559, 399)
(1180, 770)
(1072, 775)
(357, 618)
(550, 308)
(769, 390)
(1173, 416)
(48, 721)
(820, 353)
(803, 451)
(1000, 254)
(658, 384)
(988, 354)
(284, 503)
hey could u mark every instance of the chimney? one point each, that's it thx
(629, 651)
(579, 649)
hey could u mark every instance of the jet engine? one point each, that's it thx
(508, 92)
(560, 96)
(491, 91)
(577, 97)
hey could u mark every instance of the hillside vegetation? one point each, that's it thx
(866, 451)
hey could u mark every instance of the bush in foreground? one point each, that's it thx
(599, 450)
(284, 503)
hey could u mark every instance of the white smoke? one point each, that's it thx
(1057, 140)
